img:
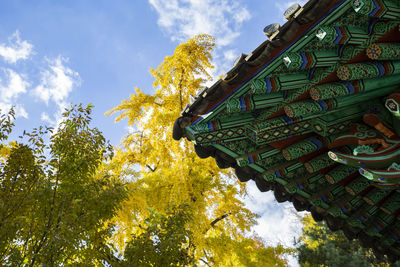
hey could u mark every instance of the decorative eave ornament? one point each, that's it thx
(357, 5)
(292, 11)
(320, 34)
(272, 30)
(287, 61)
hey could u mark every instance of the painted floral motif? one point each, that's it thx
(374, 51)
(384, 51)
(343, 73)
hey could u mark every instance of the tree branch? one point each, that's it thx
(48, 226)
(180, 90)
(205, 262)
(110, 258)
(151, 169)
(220, 218)
(207, 257)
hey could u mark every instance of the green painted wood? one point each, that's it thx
(253, 102)
(351, 34)
(275, 105)
(376, 195)
(302, 148)
(360, 217)
(352, 205)
(279, 133)
(339, 173)
(258, 86)
(234, 120)
(381, 222)
(306, 60)
(339, 120)
(304, 183)
(318, 163)
(358, 185)
(392, 204)
(338, 89)
(309, 107)
(377, 8)
(272, 158)
(368, 70)
(325, 197)
(384, 51)
(342, 205)
(256, 156)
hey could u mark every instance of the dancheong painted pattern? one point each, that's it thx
(314, 115)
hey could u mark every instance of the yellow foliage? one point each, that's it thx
(164, 172)
(308, 225)
(5, 150)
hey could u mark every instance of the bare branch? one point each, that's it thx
(150, 168)
(213, 223)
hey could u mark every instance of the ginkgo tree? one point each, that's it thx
(165, 177)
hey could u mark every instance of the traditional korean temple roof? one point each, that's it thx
(313, 114)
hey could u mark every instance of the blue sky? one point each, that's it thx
(53, 53)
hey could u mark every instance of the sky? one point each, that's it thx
(54, 53)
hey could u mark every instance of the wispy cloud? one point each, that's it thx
(16, 49)
(278, 223)
(56, 84)
(49, 80)
(57, 81)
(278, 220)
(12, 85)
(183, 19)
(16, 85)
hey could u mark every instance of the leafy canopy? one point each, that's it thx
(56, 198)
(168, 179)
(319, 246)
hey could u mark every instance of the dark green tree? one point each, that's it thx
(319, 246)
(57, 197)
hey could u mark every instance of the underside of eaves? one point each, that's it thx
(313, 114)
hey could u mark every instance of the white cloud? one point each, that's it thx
(223, 61)
(230, 55)
(57, 82)
(20, 111)
(46, 118)
(185, 18)
(15, 86)
(278, 223)
(51, 83)
(12, 85)
(15, 49)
